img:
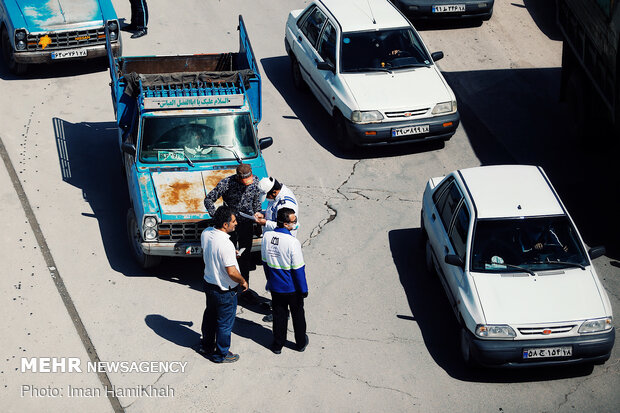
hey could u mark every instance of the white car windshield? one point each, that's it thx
(534, 244)
(197, 138)
(382, 50)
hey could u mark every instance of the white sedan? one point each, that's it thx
(515, 269)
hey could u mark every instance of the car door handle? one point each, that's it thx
(433, 217)
(299, 38)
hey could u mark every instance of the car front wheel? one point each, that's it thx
(430, 265)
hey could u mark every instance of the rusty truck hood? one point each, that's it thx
(181, 194)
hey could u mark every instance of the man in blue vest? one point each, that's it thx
(286, 279)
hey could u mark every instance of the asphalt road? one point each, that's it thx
(382, 337)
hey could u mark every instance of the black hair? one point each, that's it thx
(222, 215)
(283, 216)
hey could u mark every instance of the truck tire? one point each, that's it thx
(298, 80)
(8, 55)
(133, 232)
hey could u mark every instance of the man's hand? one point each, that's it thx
(259, 215)
(304, 295)
(538, 246)
(244, 286)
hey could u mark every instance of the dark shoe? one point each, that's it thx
(275, 349)
(208, 354)
(268, 318)
(139, 33)
(230, 358)
(302, 348)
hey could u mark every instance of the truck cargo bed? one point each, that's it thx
(177, 64)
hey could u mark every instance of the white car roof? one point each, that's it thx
(508, 191)
(357, 15)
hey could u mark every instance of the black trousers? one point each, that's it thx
(242, 238)
(139, 13)
(281, 302)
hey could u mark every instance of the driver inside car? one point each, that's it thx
(539, 238)
(193, 144)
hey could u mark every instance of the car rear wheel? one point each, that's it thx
(9, 56)
(298, 80)
(133, 232)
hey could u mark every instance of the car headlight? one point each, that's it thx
(20, 45)
(366, 116)
(150, 222)
(20, 35)
(444, 107)
(495, 331)
(150, 234)
(595, 326)
(113, 29)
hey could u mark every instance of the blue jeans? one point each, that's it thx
(218, 320)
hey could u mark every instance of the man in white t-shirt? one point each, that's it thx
(221, 281)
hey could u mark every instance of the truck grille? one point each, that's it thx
(406, 113)
(68, 39)
(183, 231)
(540, 330)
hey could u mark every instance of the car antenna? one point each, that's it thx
(371, 13)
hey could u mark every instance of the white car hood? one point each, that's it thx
(556, 296)
(407, 89)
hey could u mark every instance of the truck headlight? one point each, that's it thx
(20, 39)
(595, 326)
(150, 234)
(113, 29)
(20, 45)
(495, 331)
(150, 222)
(444, 107)
(20, 35)
(367, 116)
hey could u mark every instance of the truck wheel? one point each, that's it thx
(133, 232)
(430, 266)
(298, 81)
(340, 133)
(9, 56)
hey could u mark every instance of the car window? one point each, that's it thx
(458, 236)
(327, 44)
(312, 25)
(447, 204)
(441, 189)
(383, 49)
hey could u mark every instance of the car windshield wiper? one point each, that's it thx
(570, 264)
(227, 147)
(497, 264)
(410, 66)
(181, 151)
(369, 69)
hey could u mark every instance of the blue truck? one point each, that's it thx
(37, 31)
(184, 123)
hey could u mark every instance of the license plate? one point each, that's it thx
(449, 8)
(193, 250)
(411, 130)
(66, 54)
(545, 352)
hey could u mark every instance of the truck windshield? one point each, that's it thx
(537, 244)
(178, 138)
(384, 49)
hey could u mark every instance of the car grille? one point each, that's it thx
(406, 113)
(183, 231)
(68, 39)
(540, 330)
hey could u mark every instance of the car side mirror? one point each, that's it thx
(264, 143)
(325, 66)
(436, 56)
(454, 260)
(129, 148)
(596, 252)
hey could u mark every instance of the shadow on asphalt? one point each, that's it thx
(57, 69)
(318, 123)
(175, 331)
(430, 309)
(255, 332)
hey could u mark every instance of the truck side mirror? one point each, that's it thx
(129, 148)
(596, 252)
(436, 56)
(264, 143)
(325, 66)
(454, 260)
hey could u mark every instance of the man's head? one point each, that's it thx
(244, 174)
(269, 187)
(224, 219)
(286, 218)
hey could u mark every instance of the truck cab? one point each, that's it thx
(184, 123)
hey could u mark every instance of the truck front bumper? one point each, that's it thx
(595, 348)
(378, 134)
(45, 56)
(181, 249)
